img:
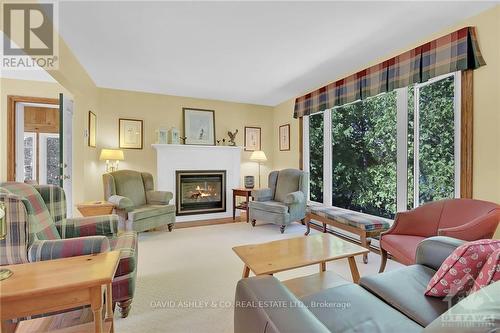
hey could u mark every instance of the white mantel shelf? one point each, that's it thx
(171, 158)
(172, 146)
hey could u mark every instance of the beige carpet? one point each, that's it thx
(186, 278)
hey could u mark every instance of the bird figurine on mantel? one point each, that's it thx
(232, 137)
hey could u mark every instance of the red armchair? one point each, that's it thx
(465, 219)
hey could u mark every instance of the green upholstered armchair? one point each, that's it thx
(137, 202)
(284, 201)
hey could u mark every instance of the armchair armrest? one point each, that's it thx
(263, 194)
(102, 225)
(158, 197)
(432, 251)
(295, 198)
(122, 203)
(264, 302)
(481, 227)
(64, 248)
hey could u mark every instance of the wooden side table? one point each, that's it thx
(94, 208)
(241, 192)
(61, 284)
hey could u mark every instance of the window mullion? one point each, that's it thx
(327, 157)
(416, 146)
(306, 149)
(402, 150)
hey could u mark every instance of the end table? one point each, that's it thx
(94, 208)
(241, 192)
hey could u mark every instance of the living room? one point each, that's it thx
(229, 130)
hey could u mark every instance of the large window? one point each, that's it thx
(388, 153)
(364, 155)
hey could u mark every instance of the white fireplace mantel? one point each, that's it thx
(170, 158)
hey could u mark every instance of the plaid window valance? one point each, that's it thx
(454, 52)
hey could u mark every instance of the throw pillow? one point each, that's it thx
(458, 272)
(489, 273)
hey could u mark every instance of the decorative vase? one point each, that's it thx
(249, 181)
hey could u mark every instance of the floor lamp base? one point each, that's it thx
(5, 273)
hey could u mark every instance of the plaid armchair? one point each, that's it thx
(38, 229)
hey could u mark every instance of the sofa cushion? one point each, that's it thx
(126, 243)
(288, 182)
(490, 272)
(147, 211)
(350, 308)
(129, 184)
(404, 247)
(354, 219)
(404, 289)
(269, 206)
(467, 317)
(460, 269)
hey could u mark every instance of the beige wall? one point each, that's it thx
(163, 111)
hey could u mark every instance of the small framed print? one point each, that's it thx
(284, 136)
(92, 129)
(161, 136)
(130, 133)
(199, 126)
(252, 138)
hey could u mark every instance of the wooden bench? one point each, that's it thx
(364, 225)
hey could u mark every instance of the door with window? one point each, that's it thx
(40, 141)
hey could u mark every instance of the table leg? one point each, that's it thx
(234, 206)
(96, 306)
(248, 201)
(109, 306)
(246, 271)
(322, 266)
(354, 269)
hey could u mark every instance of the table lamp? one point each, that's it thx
(4, 272)
(258, 156)
(112, 158)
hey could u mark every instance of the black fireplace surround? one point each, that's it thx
(200, 191)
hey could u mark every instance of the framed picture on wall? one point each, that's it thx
(252, 138)
(284, 136)
(199, 126)
(130, 133)
(92, 129)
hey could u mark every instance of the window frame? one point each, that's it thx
(401, 143)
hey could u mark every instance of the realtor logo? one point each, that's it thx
(29, 36)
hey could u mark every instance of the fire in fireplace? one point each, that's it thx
(200, 192)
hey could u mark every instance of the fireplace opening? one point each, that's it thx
(200, 192)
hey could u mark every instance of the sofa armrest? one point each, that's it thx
(432, 251)
(122, 203)
(158, 197)
(295, 198)
(263, 194)
(102, 225)
(481, 227)
(64, 248)
(263, 304)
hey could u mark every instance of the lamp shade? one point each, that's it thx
(258, 156)
(112, 154)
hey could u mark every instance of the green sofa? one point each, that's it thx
(136, 202)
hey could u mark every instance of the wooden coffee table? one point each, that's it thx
(60, 284)
(287, 254)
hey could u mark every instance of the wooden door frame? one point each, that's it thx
(466, 134)
(11, 127)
